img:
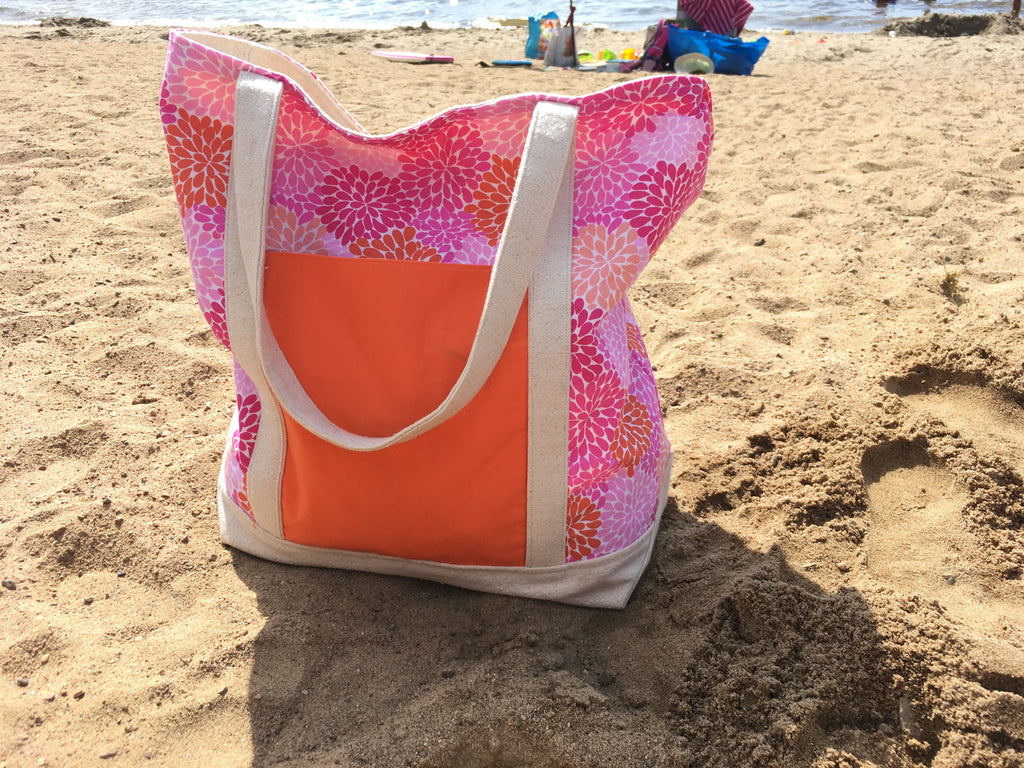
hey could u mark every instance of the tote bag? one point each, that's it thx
(730, 55)
(561, 51)
(539, 32)
(437, 370)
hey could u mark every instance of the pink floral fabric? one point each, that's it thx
(440, 191)
(355, 203)
(241, 438)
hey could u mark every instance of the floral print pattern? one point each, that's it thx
(207, 262)
(204, 82)
(631, 110)
(666, 188)
(288, 231)
(594, 407)
(628, 509)
(492, 197)
(445, 167)
(302, 156)
(586, 361)
(241, 439)
(200, 150)
(632, 434)
(507, 124)
(635, 341)
(356, 203)
(604, 264)
(440, 191)
(675, 138)
(445, 229)
(582, 523)
(248, 424)
(598, 183)
(399, 244)
(612, 341)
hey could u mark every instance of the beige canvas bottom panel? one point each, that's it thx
(604, 582)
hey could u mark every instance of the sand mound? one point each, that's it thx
(82, 21)
(956, 25)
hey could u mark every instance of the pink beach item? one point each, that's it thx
(409, 57)
(437, 370)
(723, 17)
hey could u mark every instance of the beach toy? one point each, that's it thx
(693, 64)
(611, 65)
(511, 63)
(409, 57)
(629, 54)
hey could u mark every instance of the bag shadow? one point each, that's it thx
(723, 652)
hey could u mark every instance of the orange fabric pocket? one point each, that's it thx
(377, 344)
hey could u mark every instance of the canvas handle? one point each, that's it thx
(540, 212)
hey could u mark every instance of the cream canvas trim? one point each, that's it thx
(549, 364)
(245, 226)
(272, 60)
(603, 582)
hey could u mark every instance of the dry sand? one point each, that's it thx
(836, 327)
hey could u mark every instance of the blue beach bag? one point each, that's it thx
(730, 55)
(533, 35)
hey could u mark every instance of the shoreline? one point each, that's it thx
(928, 25)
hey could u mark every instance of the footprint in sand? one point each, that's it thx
(917, 536)
(918, 539)
(993, 422)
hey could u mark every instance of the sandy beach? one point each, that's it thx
(836, 329)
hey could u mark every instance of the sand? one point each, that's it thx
(836, 330)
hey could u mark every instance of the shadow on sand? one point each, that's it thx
(724, 656)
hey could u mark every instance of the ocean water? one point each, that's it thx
(804, 15)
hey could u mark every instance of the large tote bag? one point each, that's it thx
(438, 373)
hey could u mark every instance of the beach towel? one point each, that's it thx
(723, 17)
(437, 370)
